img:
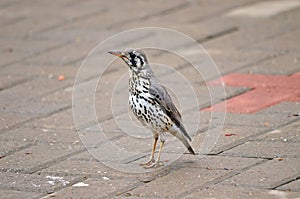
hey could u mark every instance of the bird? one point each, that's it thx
(151, 103)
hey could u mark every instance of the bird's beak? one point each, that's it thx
(117, 53)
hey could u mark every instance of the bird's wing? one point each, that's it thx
(161, 96)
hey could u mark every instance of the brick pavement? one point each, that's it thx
(41, 154)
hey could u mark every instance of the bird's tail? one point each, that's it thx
(183, 136)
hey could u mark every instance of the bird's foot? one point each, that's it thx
(154, 164)
(150, 162)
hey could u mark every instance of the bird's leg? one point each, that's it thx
(157, 163)
(152, 154)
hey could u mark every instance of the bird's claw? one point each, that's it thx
(150, 162)
(154, 165)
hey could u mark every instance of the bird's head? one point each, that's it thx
(135, 59)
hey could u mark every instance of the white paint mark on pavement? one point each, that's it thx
(80, 184)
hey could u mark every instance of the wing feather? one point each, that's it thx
(162, 97)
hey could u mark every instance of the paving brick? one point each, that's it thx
(8, 80)
(11, 119)
(211, 162)
(36, 87)
(64, 55)
(264, 29)
(267, 175)
(232, 135)
(42, 135)
(10, 146)
(11, 194)
(35, 22)
(233, 192)
(280, 43)
(259, 120)
(62, 119)
(288, 109)
(266, 90)
(176, 182)
(229, 61)
(292, 186)
(93, 168)
(78, 34)
(184, 15)
(62, 96)
(271, 149)
(282, 65)
(75, 167)
(31, 71)
(35, 183)
(95, 188)
(34, 108)
(17, 50)
(150, 10)
(288, 134)
(37, 157)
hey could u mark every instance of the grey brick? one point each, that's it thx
(37, 157)
(268, 175)
(34, 183)
(234, 192)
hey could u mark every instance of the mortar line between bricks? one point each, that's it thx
(203, 40)
(262, 156)
(159, 13)
(43, 194)
(271, 187)
(245, 156)
(274, 141)
(18, 149)
(222, 12)
(35, 54)
(216, 35)
(268, 38)
(16, 83)
(75, 19)
(72, 84)
(43, 165)
(171, 169)
(4, 188)
(17, 125)
(249, 138)
(166, 11)
(70, 184)
(55, 161)
(220, 179)
(286, 181)
(235, 69)
(251, 64)
(161, 174)
(137, 39)
(215, 181)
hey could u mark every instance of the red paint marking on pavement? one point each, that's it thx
(266, 91)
